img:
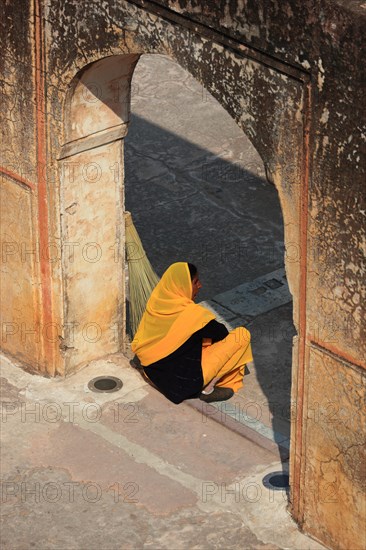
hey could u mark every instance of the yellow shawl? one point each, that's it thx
(170, 317)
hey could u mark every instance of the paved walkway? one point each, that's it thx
(130, 470)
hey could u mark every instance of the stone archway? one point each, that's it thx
(197, 190)
(91, 169)
(96, 121)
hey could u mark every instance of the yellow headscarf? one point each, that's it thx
(170, 318)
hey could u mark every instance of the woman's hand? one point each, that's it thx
(206, 342)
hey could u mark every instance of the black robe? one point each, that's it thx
(179, 375)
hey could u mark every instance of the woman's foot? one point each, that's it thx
(218, 394)
(210, 387)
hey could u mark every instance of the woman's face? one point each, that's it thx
(196, 285)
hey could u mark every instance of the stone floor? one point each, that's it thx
(195, 184)
(130, 470)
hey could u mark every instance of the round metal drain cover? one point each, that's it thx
(277, 481)
(105, 384)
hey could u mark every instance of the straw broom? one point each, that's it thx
(142, 279)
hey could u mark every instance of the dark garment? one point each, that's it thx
(179, 375)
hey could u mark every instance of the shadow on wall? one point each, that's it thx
(189, 204)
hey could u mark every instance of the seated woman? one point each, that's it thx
(184, 351)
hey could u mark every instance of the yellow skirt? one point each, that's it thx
(226, 359)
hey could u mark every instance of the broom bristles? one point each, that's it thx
(141, 276)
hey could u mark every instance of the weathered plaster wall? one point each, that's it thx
(18, 150)
(291, 74)
(19, 305)
(335, 452)
(92, 205)
(20, 277)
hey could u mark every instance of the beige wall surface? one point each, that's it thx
(334, 478)
(21, 328)
(93, 262)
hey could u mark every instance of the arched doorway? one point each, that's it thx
(94, 321)
(220, 223)
(198, 192)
